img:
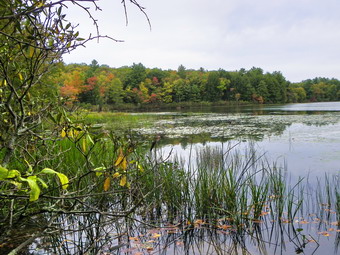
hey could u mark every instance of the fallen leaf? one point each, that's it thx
(225, 227)
(155, 235)
(303, 222)
(324, 233)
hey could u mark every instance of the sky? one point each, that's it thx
(299, 38)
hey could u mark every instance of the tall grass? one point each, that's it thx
(220, 189)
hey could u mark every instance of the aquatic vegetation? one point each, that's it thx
(228, 201)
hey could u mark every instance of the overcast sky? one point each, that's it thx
(300, 38)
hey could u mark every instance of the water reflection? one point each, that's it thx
(290, 218)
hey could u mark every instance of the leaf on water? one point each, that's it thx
(107, 183)
(324, 233)
(335, 223)
(225, 227)
(257, 221)
(149, 249)
(303, 222)
(133, 238)
(285, 221)
(199, 222)
(156, 235)
(263, 213)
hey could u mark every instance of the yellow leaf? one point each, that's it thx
(123, 181)
(107, 183)
(116, 175)
(121, 161)
(120, 158)
(63, 133)
(156, 235)
(20, 76)
(70, 133)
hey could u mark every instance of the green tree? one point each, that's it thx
(181, 71)
(135, 76)
(212, 90)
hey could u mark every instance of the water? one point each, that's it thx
(303, 139)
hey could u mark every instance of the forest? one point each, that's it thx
(100, 85)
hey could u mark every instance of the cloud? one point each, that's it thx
(299, 38)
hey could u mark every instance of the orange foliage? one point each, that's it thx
(73, 85)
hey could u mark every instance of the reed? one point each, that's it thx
(220, 189)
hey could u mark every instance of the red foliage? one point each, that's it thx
(153, 98)
(155, 81)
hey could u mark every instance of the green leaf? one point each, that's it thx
(13, 174)
(43, 183)
(62, 177)
(31, 51)
(99, 170)
(88, 137)
(3, 173)
(30, 169)
(59, 117)
(52, 118)
(63, 180)
(35, 190)
(17, 184)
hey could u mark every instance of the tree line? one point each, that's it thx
(100, 84)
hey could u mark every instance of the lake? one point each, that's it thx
(301, 139)
(305, 138)
(253, 180)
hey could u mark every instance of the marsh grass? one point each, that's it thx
(236, 199)
(119, 121)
